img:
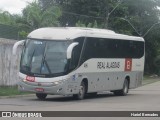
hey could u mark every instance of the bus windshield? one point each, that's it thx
(44, 57)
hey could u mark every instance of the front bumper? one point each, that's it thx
(61, 89)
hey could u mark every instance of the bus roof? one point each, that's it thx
(69, 33)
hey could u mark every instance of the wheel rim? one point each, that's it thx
(81, 92)
(126, 87)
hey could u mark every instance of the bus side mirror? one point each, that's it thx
(70, 49)
(15, 46)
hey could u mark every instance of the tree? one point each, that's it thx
(85, 11)
(6, 18)
(8, 25)
(90, 25)
(35, 17)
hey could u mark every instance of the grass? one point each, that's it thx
(148, 80)
(10, 91)
(146, 77)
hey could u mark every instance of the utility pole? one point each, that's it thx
(108, 14)
(151, 28)
(136, 29)
(131, 26)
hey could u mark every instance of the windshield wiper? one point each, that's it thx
(31, 60)
(47, 66)
(45, 62)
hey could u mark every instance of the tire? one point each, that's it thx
(124, 91)
(41, 96)
(82, 92)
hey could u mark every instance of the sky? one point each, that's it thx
(14, 6)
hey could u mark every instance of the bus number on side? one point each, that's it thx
(128, 65)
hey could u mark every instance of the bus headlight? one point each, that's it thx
(58, 82)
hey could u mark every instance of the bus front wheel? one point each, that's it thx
(41, 96)
(124, 91)
(82, 92)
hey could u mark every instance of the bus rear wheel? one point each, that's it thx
(41, 96)
(124, 91)
(82, 92)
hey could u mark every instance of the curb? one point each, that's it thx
(146, 82)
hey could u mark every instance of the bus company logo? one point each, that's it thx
(85, 65)
(128, 64)
(6, 114)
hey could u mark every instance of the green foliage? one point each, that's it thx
(89, 25)
(95, 25)
(23, 34)
(157, 64)
(34, 17)
(6, 18)
(11, 91)
(8, 31)
(79, 24)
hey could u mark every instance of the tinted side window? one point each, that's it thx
(137, 48)
(124, 49)
(112, 48)
(90, 50)
(77, 52)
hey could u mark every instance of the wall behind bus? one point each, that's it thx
(9, 64)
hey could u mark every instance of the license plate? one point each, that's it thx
(39, 89)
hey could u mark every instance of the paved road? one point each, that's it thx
(145, 98)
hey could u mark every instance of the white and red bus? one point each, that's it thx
(77, 61)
